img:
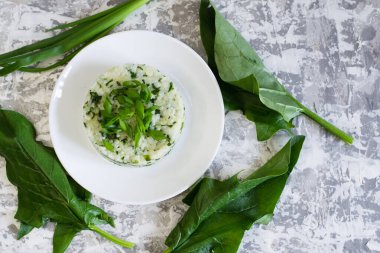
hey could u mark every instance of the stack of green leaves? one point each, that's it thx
(220, 211)
(45, 192)
(126, 110)
(245, 82)
(67, 43)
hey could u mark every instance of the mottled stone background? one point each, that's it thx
(325, 51)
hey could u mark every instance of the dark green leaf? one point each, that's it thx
(234, 62)
(247, 201)
(268, 122)
(44, 191)
(63, 235)
(24, 230)
(170, 87)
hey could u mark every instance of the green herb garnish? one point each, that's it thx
(95, 97)
(170, 87)
(157, 135)
(147, 158)
(132, 73)
(108, 145)
(126, 110)
(156, 90)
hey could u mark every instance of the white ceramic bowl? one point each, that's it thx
(193, 152)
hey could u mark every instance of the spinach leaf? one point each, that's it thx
(220, 211)
(233, 61)
(267, 121)
(44, 191)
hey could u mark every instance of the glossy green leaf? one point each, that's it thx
(267, 121)
(230, 207)
(44, 190)
(235, 63)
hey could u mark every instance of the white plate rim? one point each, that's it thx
(200, 172)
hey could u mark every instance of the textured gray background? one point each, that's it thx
(325, 51)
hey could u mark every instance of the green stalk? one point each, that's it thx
(87, 31)
(68, 57)
(89, 18)
(7, 57)
(112, 238)
(66, 41)
(324, 123)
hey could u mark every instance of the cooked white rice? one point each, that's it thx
(169, 120)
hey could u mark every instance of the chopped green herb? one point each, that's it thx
(132, 94)
(133, 74)
(95, 98)
(140, 109)
(107, 83)
(147, 158)
(170, 86)
(137, 139)
(108, 145)
(156, 90)
(122, 125)
(107, 107)
(157, 135)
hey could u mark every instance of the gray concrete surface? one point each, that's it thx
(326, 52)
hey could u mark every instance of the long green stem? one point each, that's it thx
(324, 123)
(82, 32)
(89, 18)
(112, 238)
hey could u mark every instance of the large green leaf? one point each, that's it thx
(234, 62)
(267, 121)
(221, 208)
(44, 190)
